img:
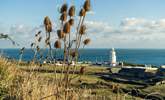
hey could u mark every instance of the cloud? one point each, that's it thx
(130, 33)
(127, 22)
(91, 12)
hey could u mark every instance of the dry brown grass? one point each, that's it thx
(18, 84)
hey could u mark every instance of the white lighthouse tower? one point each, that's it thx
(113, 57)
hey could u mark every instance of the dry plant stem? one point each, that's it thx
(50, 48)
(69, 61)
(80, 36)
(20, 59)
(63, 65)
(77, 35)
(55, 67)
(79, 39)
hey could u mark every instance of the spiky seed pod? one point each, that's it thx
(39, 39)
(57, 44)
(64, 8)
(86, 41)
(71, 21)
(66, 28)
(49, 28)
(82, 12)
(60, 34)
(82, 30)
(71, 11)
(47, 20)
(63, 16)
(48, 24)
(87, 5)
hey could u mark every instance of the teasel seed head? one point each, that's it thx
(71, 12)
(49, 28)
(47, 24)
(57, 44)
(47, 20)
(66, 28)
(82, 30)
(63, 16)
(60, 34)
(82, 12)
(71, 21)
(87, 5)
(86, 41)
(64, 8)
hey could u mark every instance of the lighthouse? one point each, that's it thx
(113, 57)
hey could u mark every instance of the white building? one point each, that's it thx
(113, 57)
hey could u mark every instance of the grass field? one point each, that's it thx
(46, 82)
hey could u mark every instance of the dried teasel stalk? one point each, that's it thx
(66, 28)
(57, 44)
(64, 8)
(82, 12)
(46, 20)
(82, 30)
(60, 34)
(63, 16)
(71, 12)
(86, 41)
(71, 21)
(87, 5)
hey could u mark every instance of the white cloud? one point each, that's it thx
(132, 22)
(131, 32)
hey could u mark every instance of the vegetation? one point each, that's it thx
(35, 80)
(29, 82)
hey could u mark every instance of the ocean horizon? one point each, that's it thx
(154, 57)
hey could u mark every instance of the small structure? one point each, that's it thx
(113, 58)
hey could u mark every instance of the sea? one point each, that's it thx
(154, 57)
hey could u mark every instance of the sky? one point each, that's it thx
(110, 23)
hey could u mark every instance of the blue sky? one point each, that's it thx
(112, 23)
